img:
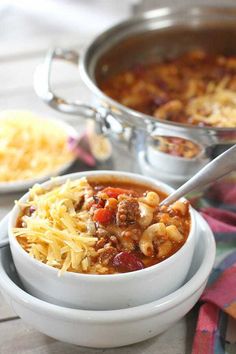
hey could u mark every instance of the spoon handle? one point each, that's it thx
(219, 167)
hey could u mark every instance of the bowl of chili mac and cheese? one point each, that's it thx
(100, 240)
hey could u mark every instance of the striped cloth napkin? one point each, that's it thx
(216, 325)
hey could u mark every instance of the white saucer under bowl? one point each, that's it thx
(106, 329)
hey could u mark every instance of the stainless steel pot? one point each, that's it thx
(164, 32)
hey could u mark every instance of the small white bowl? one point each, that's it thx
(175, 180)
(169, 164)
(103, 292)
(106, 329)
(24, 185)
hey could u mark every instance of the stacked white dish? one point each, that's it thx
(86, 291)
(110, 328)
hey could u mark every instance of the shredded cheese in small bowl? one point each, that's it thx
(32, 149)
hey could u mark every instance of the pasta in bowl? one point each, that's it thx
(99, 240)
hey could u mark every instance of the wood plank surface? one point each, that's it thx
(10, 51)
(27, 100)
(18, 338)
(22, 71)
(5, 312)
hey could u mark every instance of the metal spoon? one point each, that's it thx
(217, 168)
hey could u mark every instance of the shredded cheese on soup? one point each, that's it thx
(55, 233)
(30, 147)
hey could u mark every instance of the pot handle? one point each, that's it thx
(42, 86)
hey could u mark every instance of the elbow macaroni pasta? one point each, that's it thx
(181, 207)
(173, 233)
(146, 214)
(152, 199)
(146, 240)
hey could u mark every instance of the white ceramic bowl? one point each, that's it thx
(103, 292)
(24, 185)
(111, 328)
(170, 164)
(175, 180)
(174, 164)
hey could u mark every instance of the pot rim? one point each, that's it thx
(140, 118)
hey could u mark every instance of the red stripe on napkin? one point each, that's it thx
(222, 292)
(223, 191)
(225, 216)
(219, 220)
(204, 340)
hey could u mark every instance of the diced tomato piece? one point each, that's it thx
(103, 215)
(115, 192)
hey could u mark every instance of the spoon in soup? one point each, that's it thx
(217, 168)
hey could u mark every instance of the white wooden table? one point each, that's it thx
(18, 59)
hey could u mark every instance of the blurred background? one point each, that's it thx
(28, 28)
(23, 19)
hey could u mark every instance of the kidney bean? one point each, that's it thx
(127, 262)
